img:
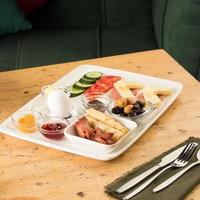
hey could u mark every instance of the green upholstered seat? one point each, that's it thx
(177, 28)
(182, 33)
(59, 14)
(42, 47)
(8, 51)
(126, 40)
(69, 30)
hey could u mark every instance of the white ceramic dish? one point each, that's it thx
(89, 145)
(65, 145)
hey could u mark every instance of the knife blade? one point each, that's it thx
(173, 178)
(164, 161)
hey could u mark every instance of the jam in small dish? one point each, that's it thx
(53, 128)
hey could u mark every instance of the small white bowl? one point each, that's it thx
(71, 135)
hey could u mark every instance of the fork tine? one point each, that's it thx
(191, 152)
(180, 157)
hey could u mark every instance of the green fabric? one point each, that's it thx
(182, 33)
(177, 29)
(125, 40)
(90, 13)
(43, 47)
(158, 11)
(11, 19)
(198, 74)
(177, 191)
(124, 27)
(9, 51)
(128, 13)
(59, 14)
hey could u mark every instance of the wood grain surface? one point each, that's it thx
(32, 172)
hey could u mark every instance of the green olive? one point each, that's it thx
(121, 102)
(128, 108)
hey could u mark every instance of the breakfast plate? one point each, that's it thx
(80, 82)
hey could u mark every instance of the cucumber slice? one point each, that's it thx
(74, 91)
(93, 75)
(87, 81)
(82, 85)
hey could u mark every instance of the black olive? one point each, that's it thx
(131, 114)
(117, 110)
(136, 106)
(134, 113)
(142, 111)
(141, 104)
(139, 112)
(123, 114)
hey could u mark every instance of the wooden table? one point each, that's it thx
(33, 172)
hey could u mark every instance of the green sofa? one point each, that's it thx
(70, 30)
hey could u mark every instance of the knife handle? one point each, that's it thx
(145, 184)
(173, 178)
(137, 179)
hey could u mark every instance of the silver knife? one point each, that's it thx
(177, 175)
(164, 161)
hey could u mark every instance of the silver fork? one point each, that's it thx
(177, 175)
(181, 161)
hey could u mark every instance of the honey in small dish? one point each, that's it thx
(25, 122)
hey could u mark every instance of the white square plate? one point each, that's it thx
(73, 76)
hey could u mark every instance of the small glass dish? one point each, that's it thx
(52, 127)
(96, 100)
(47, 89)
(25, 121)
(147, 109)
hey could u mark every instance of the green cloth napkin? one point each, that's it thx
(11, 18)
(177, 191)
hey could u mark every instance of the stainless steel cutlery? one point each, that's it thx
(181, 161)
(164, 161)
(177, 158)
(176, 176)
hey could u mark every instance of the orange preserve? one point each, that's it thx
(27, 123)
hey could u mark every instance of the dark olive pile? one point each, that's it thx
(138, 109)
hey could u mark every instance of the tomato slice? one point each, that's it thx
(111, 77)
(104, 84)
(109, 80)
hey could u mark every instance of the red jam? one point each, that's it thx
(53, 130)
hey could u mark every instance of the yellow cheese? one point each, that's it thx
(117, 134)
(150, 96)
(106, 119)
(133, 85)
(124, 91)
(162, 91)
